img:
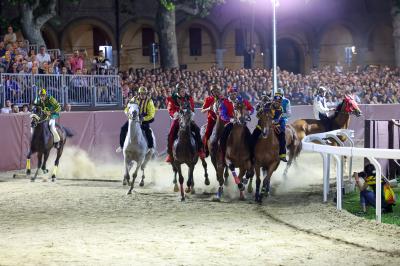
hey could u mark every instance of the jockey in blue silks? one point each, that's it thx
(280, 118)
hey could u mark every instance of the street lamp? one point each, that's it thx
(275, 3)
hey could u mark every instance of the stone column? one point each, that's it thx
(396, 32)
(315, 57)
(219, 57)
(267, 58)
(361, 52)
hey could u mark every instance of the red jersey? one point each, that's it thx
(209, 102)
(227, 110)
(175, 102)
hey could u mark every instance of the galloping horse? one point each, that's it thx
(238, 154)
(42, 142)
(266, 153)
(135, 147)
(184, 150)
(340, 120)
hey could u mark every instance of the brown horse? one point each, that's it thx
(238, 153)
(340, 120)
(42, 143)
(266, 153)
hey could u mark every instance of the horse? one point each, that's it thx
(135, 147)
(266, 153)
(238, 153)
(42, 142)
(340, 120)
(184, 151)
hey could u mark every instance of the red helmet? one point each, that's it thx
(231, 89)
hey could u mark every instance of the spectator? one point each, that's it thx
(25, 109)
(67, 107)
(14, 109)
(2, 49)
(10, 37)
(7, 108)
(43, 56)
(77, 61)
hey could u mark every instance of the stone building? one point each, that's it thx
(311, 33)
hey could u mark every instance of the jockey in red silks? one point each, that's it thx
(209, 106)
(178, 100)
(227, 114)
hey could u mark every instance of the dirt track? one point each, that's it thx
(88, 223)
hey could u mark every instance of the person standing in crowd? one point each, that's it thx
(7, 108)
(100, 62)
(10, 37)
(77, 61)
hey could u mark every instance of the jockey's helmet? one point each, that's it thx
(43, 92)
(142, 89)
(280, 91)
(369, 170)
(321, 89)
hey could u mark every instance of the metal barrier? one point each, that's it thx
(83, 90)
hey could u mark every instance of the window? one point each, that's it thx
(147, 40)
(195, 41)
(239, 42)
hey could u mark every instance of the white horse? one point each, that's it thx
(135, 147)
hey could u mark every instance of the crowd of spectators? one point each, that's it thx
(372, 85)
(17, 57)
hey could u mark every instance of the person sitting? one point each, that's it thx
(227, 115)
(176, 102)
(279, 124)
(209, 105)
(147, 112)
(52, 109)
(368, 197)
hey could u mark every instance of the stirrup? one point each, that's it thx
(118, 150)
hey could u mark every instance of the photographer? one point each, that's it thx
(368, 197)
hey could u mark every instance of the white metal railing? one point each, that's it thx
(85, 90)
(338, 152)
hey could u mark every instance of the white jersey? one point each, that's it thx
(320, 106)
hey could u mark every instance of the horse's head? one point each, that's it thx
(241, 113)
(265, 118)
(133, 111)
(349, 106)
(185, 117)
(37, 116)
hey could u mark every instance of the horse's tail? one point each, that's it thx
(295, 145)
(68, 132)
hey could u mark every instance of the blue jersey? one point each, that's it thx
(286, 109)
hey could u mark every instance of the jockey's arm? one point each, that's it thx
(150, 111)
(206, 106)
(288, 110)
(320, 107)
(55, 105)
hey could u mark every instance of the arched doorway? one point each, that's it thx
(288, 56)
(380, 46)
(86, 35)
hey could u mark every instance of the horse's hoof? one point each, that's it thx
(141, 183)
(182, 199)
(28, 172)
(45, 171)
(53, 178)
(129, 192)
(250, 189)
(32, 180)
(207, 182)
(124, 183)
(216, 199)
(176, 188)
(187, 190)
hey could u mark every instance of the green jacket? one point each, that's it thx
(50, 104)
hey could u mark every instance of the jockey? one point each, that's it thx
(321, 110)
(279, 124)
(175, 102)
(209, 107)
(52, 109)
(265, 98)
(227, 114)
(147, 112)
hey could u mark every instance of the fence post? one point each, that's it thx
(378, 189)
(338, 182)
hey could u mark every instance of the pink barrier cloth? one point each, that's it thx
(98, 132)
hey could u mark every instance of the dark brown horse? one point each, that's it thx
(42, 143)
(266, 153)
(184, 151)
(340, 120)
(238, 153)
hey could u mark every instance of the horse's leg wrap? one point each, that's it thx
(28, 164)
(55, 169)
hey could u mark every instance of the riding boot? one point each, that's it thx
(224, 139)
(147, 132)
(282, 146)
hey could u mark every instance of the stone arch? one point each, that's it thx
(210, 42)
(380, 45)
(228, 43)
(332, 40)
(290, 55)
(85, 33)
(50, 37)
(131, 43)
